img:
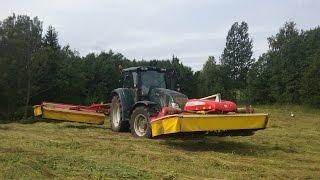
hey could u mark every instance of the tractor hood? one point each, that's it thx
(167, 97)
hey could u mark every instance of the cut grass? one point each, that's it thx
(290, 148)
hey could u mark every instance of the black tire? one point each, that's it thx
(117, 122)
(139, 113)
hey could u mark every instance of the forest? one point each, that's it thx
(34, 67)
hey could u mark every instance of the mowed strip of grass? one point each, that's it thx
(290, 148)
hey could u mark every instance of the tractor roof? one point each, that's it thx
(144, 68)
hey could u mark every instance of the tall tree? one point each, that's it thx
(236, 56)
(258, 81)
(20, 41)
(33, 34)
(52, 57)
(311, 81)
(287, 52)
(51, 38)
(208, 82)
(311, 76)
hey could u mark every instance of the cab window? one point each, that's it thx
(127, 80)
(152, 79)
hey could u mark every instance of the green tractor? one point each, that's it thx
(144, 92)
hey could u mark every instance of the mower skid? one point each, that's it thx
(211, 123)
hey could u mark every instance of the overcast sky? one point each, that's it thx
(157, 29)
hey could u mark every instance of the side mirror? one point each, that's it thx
(120, 68)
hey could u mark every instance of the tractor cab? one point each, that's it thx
(144, 79)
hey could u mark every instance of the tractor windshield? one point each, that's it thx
(153, 79)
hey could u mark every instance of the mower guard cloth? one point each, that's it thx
(191, 123)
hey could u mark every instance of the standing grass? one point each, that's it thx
(290, 148)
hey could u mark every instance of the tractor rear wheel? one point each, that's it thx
(140, 122)
(116, 116)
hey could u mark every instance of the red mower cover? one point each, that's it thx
(210, 105)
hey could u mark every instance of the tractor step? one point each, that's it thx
(210, 123)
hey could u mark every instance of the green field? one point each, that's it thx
(290, 148)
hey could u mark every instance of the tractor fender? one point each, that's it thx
(142, 103)
(126, 97)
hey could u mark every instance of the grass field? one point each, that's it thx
(290, 148)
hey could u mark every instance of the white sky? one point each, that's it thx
(154, 29)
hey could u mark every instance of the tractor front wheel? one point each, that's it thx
(140, 122)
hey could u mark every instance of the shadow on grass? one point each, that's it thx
(76, 125)
(223, 146)
(85, 126)
(203, 134)
(25, 121)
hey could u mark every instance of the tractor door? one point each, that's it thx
(130, 81)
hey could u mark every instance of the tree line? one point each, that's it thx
(289, 72)
(34, 67)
